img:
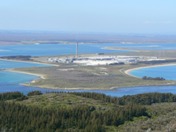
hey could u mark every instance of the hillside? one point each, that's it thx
(86, 112)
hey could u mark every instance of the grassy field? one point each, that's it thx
(88, 77)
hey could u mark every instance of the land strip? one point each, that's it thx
(88, 77)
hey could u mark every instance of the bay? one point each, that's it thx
(11, 81)
(6, 64)
(168, 72)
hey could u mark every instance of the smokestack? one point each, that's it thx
(77, 50)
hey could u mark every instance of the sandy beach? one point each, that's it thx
(42, 76)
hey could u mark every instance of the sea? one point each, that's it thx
(68, 49)
(12, 81)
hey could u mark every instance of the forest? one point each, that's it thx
(89, 112)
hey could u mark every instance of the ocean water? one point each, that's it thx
(7, 77)
(67, 49)
(167, 72)
(54, 49)
(5, 64)
(14, 78)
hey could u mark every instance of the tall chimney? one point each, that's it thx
(77, 50)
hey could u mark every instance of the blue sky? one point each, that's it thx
(101, 16)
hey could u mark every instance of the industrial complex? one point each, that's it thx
(102, 60)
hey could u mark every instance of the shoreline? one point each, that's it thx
(42, 63)
(41, 76)
(127, 72)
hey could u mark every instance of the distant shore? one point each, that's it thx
(122, 49)
(43, 63)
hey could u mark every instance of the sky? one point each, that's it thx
(90, 16)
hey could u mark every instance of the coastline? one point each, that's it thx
(42, 76)
(127, 72)
(42, 63)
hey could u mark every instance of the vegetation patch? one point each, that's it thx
(153, 78)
